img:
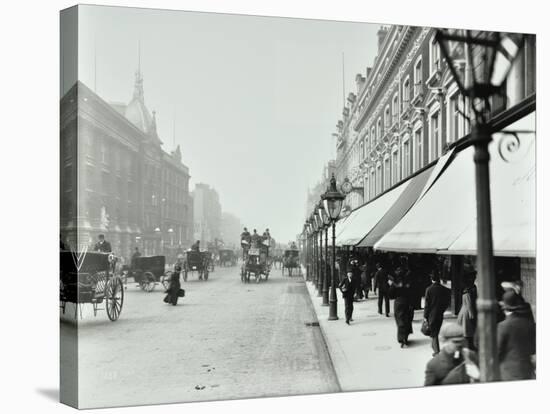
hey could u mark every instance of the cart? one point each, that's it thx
(89, 277)
(196, 261)
(147, 271)
(227, 257)
(291, 262)
(255, 262)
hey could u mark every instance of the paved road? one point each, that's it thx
(228, 339)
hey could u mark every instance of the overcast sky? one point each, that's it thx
(255, 99)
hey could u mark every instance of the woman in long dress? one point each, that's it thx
(174, 291)
(400, 290)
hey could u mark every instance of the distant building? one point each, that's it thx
(207, 212)
(231, 230)
(116, 179)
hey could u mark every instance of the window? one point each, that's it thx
(362, 150)
(367, 188)
(435, 141)
(387, 120)
(387, 173)
(418, 149)
(406, 93)
(394, 107)
(366, 147)
(395, 166)
(378, 179)
(406, 158)
(379, 131)
(455, 120)
(372, 183)
(372, 136)
(418, 77)
(435, 56)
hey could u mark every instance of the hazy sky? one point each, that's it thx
(255, 99)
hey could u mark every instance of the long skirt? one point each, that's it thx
(404, 314)
(174, 291)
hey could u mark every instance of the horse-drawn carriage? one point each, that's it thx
(291, 262)
(256, 262)
(90, 278)
(196, 261)
(147, 271)
(227, 257)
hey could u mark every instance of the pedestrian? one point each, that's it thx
(400, 290)
(467, 316)
(356, 278)
(347, 288)
(102, 245)
(517, 287)
(174, 290)
(365, 281)
(516, 339)
(381, 283)
(453, 365)
(438, 299)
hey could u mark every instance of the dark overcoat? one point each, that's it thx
(516, 336)
(438, 299)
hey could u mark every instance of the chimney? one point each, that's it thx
(382, 32)
(369, 71)
(359, 82)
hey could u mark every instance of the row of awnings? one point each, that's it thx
(435, 210)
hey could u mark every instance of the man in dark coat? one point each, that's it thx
(102, 245)
(451, 365)
(134, 258)
(516, 338)
(438, 299)
(400, 290)
(381, 283)
(347, 288)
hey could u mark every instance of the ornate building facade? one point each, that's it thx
(407, 110)
(116, 179)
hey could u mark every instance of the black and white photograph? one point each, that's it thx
(254, 205)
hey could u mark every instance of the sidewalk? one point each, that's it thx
(366, 354)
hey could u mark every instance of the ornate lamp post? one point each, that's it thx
(320, 273)
(332, 201)
(480, 62)
(315, 252)
(326, 224)
(310, 250)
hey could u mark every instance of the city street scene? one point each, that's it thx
(259, 206)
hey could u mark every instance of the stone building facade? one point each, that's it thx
(115, 177)
(207, 214)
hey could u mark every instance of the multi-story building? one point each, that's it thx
(231, 230)
(207, 212)
(115, 177)
(406, 112)
(314, 193)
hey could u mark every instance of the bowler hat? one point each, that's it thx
(511, 301)
(451, 330)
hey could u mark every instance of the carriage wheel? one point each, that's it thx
(149, 282)
(165, 279)
(114, 298)
(247, 277)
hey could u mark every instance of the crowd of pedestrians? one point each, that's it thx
(407, 280)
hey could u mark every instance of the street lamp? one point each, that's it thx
(479, 63)
(320, 273)
(332, 201)
(326, 224)
(314, 226)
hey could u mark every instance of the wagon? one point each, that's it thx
(89, 277)
(196, 261)
(227, 257)
(256, 262)
(291, 262)
(147, 271)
